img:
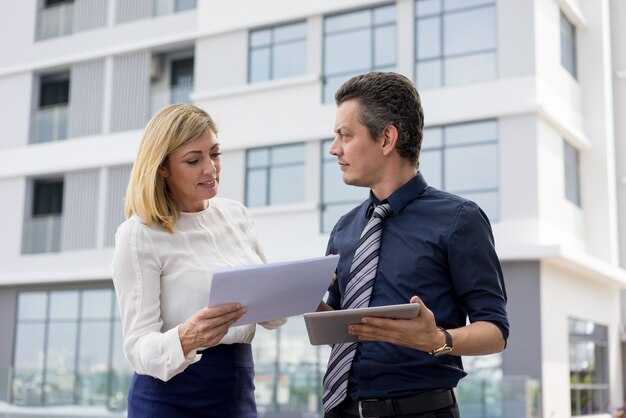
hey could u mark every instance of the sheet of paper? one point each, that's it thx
(274, 290)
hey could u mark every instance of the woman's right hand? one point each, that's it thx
(208, 326)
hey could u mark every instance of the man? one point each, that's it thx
(437, 249)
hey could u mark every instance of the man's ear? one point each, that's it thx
(389, 137)
(163, 171)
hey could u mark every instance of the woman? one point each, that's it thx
(188, 362)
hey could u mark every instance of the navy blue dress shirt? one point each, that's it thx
(437, 246)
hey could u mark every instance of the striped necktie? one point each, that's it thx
(357, 295)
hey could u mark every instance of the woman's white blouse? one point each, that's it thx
(161, 279)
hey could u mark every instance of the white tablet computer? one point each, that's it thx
(330, 327)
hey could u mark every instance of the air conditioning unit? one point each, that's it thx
(156, 67)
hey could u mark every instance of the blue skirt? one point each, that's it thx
(220, 385)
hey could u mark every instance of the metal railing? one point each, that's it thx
(50, 124)
(508, 397)
(55, 21)
(42, 234)
(160, 98)
(166, 7)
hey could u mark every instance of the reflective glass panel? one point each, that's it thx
(469, 133)
(433, 137)
(464, 4)
(60, 362)
(428, 74)
(431, 167)
(428, 38)
(260, 64)
(259, 157)
(347, 21)
(93, 362)
(286, 184)
(349, 51)
(471, 168)
(286, 154)
(256, 188)
(32, 305)
(384, 46)
(385, 14)
(96, 304)
(471, 31)
(290, 32)
(64, 305)
(470, 68)
(261, 37)
(28, 364)
(289, 60)
(427, 7)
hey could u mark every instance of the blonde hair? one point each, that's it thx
(169, 129)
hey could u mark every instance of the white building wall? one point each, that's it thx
(567, 293)
(15, 115)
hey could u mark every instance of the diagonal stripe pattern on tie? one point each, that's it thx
(357, 295)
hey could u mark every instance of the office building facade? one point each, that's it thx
(523, 103)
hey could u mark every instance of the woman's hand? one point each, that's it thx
(208, 326)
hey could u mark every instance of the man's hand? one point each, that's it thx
(420, 333)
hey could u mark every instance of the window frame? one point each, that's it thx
(271, 45)
(442, 57)
(267, 168)
(372, 26)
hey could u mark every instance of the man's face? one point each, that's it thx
(359, 155)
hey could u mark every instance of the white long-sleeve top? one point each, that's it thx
(161, 279)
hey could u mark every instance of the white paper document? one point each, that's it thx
(273, 290)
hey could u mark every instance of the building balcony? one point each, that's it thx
(55, 21)
(42, 234)
(50, 124)
(160, 98)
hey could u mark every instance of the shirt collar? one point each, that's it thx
(402, 196)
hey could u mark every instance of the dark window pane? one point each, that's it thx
(48, 197)
(54, 92)
(182, 72)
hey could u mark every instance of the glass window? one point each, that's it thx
(54, 90)
(275, 175)
(568, 46)
(42, 231)
(277, 52)
(571, 163)
(337, 197)
(47, 197)
(357, 42)
(588, 363)
(68, 350)
(181, 5)
(455, 42)
(449, 158)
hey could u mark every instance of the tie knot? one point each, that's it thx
(382, 211)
